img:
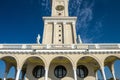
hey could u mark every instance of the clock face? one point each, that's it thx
(60, 7)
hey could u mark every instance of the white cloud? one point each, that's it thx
(84, 13)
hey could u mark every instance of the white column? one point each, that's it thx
(114, 75)
(54, 33)
(113, 71)
(18, 74)
(74, 31)
(103, 73)
(75, 74)
(63, 32)
(46, 73)
(5, 76)
(111, 67)
(96, 76)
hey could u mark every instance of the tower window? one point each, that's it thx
(59, 34)
(59, 14)
(59, 40)
(38, 71)
(60, 71)
(82, 71)
(59, 30)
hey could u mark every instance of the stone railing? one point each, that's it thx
(72, 46)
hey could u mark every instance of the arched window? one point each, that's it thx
(60, 71)
(82, 71)
(38, 71)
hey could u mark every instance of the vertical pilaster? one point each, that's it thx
(103, 72)
(54, 33)
(46, 73)
(111, 67)
(63, 31)
(18, 74)
(113, 73)
(96, 75)
(74, 32)
(75, 74)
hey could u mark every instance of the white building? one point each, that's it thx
(61, 56)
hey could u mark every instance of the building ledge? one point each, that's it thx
(58, 47)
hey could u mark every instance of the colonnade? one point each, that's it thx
(101, 68)
(74, 70)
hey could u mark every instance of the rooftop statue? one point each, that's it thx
(38, 39)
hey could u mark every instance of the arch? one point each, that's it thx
(28, 60)
(40, 57)
(64, 56)
(110, 59)
(10, 61)
(91, 63)
(93, 57)
(66, 64)
(12, 56)
(118, 57)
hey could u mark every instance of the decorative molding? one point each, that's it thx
(1, 45)
(55, 23)
(46, 23)
(119, 45)
(48, 46)
(73, 46)
(24, 46)
(97, 46)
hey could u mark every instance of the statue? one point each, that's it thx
(38, 39)
(79, 39)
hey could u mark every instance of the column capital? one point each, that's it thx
(73, 23)
(19, 69)
(1, 46)
(55, 23)
(46, 23)
(119, 45)
(48, 46)
(74, 68)
(46, 68)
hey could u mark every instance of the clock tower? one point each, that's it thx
(59, 28)
(60, 8)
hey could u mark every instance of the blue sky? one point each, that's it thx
(21, 20)
(98, 20)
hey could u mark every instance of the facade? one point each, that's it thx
(61, 56)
